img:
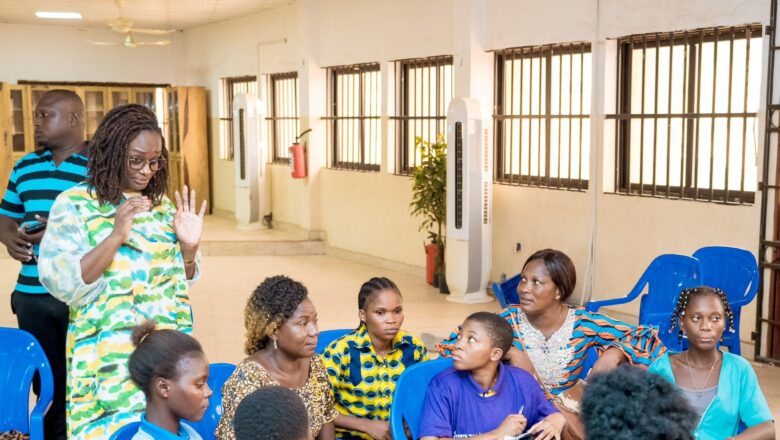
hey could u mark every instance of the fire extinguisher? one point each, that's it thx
(298, 157)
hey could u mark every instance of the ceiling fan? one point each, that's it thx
(124, 26)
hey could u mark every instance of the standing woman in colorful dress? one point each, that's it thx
(118, 252)
(721, 387)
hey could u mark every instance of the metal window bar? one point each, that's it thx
(354, 115)
(767, 329)
(687, 113)
(283, 117)
(228, 88)
(541, 116)
(425, 88)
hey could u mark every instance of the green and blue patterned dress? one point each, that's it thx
(146, 280)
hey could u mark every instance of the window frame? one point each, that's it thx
(402, 118)
(692, 41)
(226, 150)
(546, 52)
(273, 118)
(334, 117)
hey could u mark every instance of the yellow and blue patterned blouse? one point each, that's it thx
(362, 381)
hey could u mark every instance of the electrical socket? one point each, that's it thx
(518, 247)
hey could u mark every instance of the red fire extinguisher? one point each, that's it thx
(298, 158)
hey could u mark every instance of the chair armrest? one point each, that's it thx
(594, 306)
(36, 418)
(499, 294)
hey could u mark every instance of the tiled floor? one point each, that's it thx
(218, 299)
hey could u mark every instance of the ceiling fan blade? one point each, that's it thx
(153, 31)
(103, 43)
(154, 43)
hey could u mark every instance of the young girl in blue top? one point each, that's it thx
(171, 369)
(721, 387)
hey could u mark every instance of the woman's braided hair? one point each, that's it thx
(272, 303)
(692, 292)
(108, 159)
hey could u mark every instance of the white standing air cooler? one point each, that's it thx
(249, 150)
(469, 195)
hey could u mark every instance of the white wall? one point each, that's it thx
(611, 238)
(59, 53)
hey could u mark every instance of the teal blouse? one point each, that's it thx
(739, 398)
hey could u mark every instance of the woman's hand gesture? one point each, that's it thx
(123, 218)
(187, 223)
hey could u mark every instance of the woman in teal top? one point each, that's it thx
(721, 387)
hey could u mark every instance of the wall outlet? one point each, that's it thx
(518, 247)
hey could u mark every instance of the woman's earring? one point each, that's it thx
(276, 347)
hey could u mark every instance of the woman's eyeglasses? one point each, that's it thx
(136, 163)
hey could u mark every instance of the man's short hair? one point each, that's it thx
(630, 403)
(498, 329)
(271, 413)
(65, 95)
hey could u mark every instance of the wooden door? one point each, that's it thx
(118, 96)
(171, 130)
(15, 120)
(194, 143)
(95, 107)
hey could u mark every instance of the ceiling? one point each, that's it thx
(160, 14)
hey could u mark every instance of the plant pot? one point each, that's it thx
(443, 288)
(435, 280)
(431, 254)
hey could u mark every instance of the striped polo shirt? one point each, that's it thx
(34, 184)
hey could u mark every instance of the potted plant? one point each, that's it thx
(429, 197)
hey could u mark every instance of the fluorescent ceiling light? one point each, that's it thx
(60, 15)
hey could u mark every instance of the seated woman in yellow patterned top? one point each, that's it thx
(282, 332)
(363, 366)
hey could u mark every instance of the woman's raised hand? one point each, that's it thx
(123, 219)
(187, 223)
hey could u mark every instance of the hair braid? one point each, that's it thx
(108, 159)
(691, 292)
(272, 303)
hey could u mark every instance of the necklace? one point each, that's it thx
(690, 370)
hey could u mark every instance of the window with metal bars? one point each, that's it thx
(686, 123)
(283, 117)
(424, 88)
(228, 88)
(354, 117)
(542, 116)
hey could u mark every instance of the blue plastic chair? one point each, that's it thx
(734, 271)
(21, 356)
(661, 284)
(328, 336)
(506, 291)
(126, 432)
(218, 375)
(409, 396)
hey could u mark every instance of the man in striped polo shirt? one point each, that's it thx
(36, 180)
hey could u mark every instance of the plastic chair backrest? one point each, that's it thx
(328, 336)
(665, 278)
(21, 356)
(732, 270)
(126, 432)
(218, 375)
(409, 396)
(506, 291)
